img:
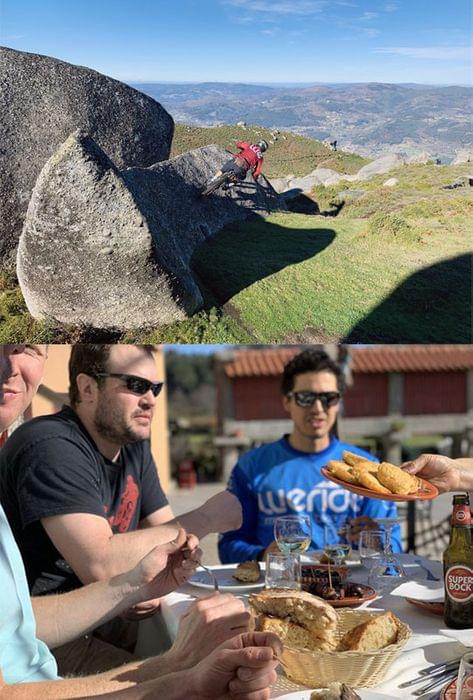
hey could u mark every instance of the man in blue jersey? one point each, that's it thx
(284, 478)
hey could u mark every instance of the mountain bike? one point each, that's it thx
(222, 180)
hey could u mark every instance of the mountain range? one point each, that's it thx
(366, 118)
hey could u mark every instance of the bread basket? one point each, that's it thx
(316, 669)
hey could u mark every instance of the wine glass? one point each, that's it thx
(293, 533)
(371, 547)
(337, 545)
(388, 572)
(393, 564)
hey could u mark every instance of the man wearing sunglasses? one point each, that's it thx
(284, 478)
(82, 494)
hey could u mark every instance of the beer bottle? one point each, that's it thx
(458, 567)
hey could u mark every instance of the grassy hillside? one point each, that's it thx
(392, 266)
(289, 154)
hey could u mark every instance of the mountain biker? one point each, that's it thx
(249, 157)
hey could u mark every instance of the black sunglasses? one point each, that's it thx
(137, 385)
(305, 399)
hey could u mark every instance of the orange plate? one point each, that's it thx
(352, 601)
(435, 608)
(427, 492)
(449, 691)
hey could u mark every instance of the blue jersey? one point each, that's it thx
(277, 479)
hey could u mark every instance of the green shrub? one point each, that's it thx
(391, 226)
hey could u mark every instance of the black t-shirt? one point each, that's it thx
(51, 466)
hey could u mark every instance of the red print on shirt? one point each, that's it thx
(127, 506)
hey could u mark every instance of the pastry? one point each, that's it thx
(368, 466)
(352, 459)
(370, 481)
(341, 471)
(397, 480)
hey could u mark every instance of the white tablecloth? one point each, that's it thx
(425, 647)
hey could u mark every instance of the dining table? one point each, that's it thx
(427, 646)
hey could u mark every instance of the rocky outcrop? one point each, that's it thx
(319, 176)
(380, 166)
(42, 101)
(113, 249)
(421, 158)
(391, 182)
(463, 156)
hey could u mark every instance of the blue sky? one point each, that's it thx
(197, 349)
(249, 40)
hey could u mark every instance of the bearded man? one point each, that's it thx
(82, 494)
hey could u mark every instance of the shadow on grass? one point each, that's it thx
(240, 255)
(431, 306)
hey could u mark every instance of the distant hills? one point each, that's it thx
(366, 118)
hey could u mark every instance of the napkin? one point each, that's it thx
(463, 636)
(429, 591)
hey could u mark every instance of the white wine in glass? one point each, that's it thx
(293, 533)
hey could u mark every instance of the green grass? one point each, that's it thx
(293, 276)
(290, 154)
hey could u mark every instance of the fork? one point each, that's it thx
(430, 575)
(212, 575)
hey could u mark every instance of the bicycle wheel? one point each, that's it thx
(215, 184)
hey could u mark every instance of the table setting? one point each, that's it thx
(426, 660)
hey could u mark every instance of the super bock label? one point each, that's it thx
(459, 583)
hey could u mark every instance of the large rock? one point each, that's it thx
(379, 166)
(113, 249)
(319, 176)
(279, 184)
(463, 156)
(421, 158)
(42, 101)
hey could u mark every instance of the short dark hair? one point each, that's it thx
(92, 359)
(310, 361)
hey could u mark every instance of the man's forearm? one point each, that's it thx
(62, 618)
(196, 522)
(114, 685)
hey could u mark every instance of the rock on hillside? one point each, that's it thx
(113, 249)
(463, 156)
(42, 101)
(379, 166)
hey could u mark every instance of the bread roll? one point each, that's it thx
(377, 633)
(303, 609)
(247, 571)
(292, 634)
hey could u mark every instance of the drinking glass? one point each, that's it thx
(384, 576)
(293, 533)
(371, 547)
(282, 571)
(393, 563)
(337, 545)
(465, 677)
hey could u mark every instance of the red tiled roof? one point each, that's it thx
(367, 360)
